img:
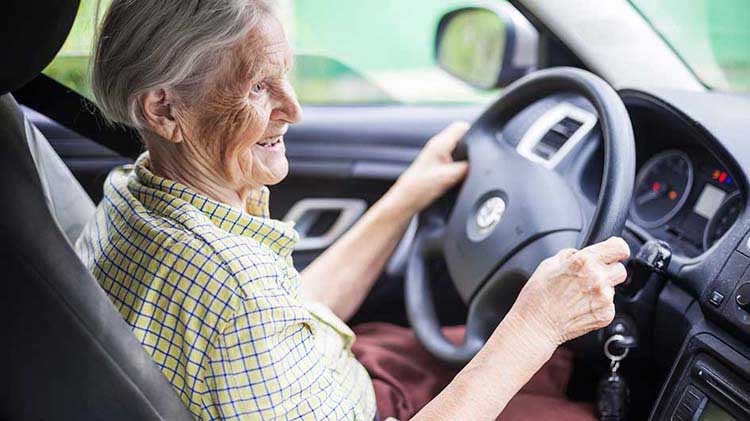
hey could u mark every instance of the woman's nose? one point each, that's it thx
(288, 108)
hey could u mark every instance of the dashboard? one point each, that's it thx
(688, 190)
(685, 197)
(691, 191)
(684, 193)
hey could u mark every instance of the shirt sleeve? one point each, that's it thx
(265, 365)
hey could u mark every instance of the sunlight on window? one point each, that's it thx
(71, 65)
(363, 52)
(711, 36)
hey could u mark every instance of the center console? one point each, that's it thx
(708, 383)
(726, 300)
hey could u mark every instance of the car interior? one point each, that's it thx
(570, 159)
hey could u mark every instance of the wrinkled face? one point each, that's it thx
(244, 118)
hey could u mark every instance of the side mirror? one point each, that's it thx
(486, 47)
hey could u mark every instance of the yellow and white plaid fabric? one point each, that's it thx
(211, 293)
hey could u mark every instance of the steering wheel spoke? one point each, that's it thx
(420, 305)
(506, 203)
(490, 303)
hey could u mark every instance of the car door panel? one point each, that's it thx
(354, 152)
(358, 153)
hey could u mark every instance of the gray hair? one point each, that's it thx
(169, 44)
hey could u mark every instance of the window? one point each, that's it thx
(711, 36)
(348, 52)
(71, 65)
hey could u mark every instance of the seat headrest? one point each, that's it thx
(33, 31)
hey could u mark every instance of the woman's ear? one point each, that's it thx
(159, 111)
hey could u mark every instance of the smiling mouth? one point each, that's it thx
(270, 142)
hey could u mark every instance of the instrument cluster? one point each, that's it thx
(686, 198)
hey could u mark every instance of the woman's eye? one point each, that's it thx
(258, 88)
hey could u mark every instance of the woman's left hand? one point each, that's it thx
(433, 172)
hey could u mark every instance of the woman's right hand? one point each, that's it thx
(568, 295)
(572, 293)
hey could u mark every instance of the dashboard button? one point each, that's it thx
(692, 398)
(689, 404)
(716, 298)
(726, 283)
(743, 296)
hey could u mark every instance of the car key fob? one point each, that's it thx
(612, 398)
(612, 393)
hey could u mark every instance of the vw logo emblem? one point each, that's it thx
(490, 213)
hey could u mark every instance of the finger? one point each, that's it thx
(605, 296)
(613, 250)
(565, 253)
(604, 315)
(455, 171)
(616, 273)
(446, 140)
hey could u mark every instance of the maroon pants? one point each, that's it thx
(406, 377)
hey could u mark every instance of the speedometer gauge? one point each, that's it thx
(661, 188)
(722, 220)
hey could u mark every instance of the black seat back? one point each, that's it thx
(67, 353)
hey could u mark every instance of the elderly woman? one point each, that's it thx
(184, 245)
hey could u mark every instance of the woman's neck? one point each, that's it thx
(181, 163)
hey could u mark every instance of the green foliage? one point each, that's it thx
(71, 71)
(711, 36)
(322, 80)
(367, 51)
(71, 66)
(328, 35)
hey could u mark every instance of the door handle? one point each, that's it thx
(307, 212)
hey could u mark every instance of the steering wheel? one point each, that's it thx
(511, 213)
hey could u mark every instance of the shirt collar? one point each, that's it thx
(254, 222)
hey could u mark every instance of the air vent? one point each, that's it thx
(556, 137)
(555, 134)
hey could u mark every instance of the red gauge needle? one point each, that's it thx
(652, 194)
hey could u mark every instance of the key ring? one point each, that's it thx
(612, 357)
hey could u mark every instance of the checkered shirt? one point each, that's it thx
(211, 293)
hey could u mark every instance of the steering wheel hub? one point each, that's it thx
(489, 214)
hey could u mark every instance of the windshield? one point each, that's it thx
(711, 36)
(348, 52)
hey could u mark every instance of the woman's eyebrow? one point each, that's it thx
(253, 68)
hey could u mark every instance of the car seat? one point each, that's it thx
(67, 352)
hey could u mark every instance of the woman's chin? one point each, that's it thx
(276, 178)
(270, 172)
(270, 164)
